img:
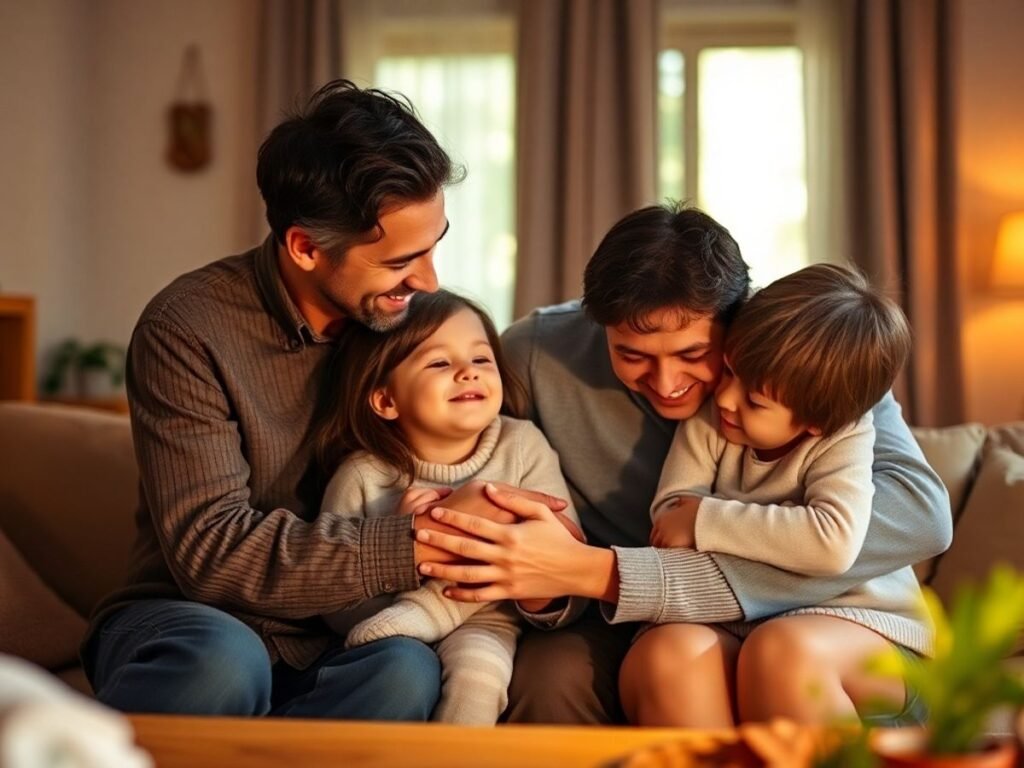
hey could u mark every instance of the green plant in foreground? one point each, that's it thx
(852, 751)
(967, 678)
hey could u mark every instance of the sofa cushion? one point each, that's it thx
(68, 491)
(991, 527)
(954, 454)
(35, 624)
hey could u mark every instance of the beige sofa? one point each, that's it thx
(68, 486)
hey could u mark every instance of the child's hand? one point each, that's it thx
(416, 500)
(675, 524)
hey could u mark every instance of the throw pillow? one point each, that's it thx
(991, 528)
(953, 453)
(35, 624)
(68, 494)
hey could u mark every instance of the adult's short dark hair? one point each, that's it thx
(670, 257)
(336, 165)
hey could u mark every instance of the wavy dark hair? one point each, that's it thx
(665, 257)
(333, 167)
(363, 363)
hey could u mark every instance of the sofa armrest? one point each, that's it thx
(68, 491)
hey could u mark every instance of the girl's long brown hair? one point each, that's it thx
(363, 362)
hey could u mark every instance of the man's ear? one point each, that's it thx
(383, 404)
(301, 249)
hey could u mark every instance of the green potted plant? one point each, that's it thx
(964, 683)
(100, 369)
(87, 371)
(57, 380)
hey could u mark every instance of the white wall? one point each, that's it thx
(94, 220)
(991, 165)
(44, 149)
(150, 223)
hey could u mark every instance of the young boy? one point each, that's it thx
(778, 469)
(781, 461)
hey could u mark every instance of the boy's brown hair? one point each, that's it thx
(363, 362)
(821, 342)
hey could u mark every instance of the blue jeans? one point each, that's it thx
(180, 657)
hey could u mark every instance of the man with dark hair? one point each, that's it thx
(607, 382)
(232, 566)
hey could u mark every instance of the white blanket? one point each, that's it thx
(44, 724)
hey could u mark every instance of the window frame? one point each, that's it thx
(390, 29)
(690, 31)
(393, 29)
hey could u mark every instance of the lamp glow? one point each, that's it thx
(1008, 265)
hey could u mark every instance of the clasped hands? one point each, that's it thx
(495, 542)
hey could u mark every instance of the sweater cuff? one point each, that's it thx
(671, 585)
(641, 586)
(386, 555)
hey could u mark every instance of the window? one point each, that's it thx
(456, 63)
(731, 131)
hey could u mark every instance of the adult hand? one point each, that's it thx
(503, 491)
(675, 524)
(469, 499)
(544, 604)
(472, 500)
(537, 558)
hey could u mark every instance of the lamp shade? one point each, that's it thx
(1008, 266)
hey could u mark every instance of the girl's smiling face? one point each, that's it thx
(446, 392)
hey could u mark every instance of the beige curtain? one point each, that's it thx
(820, 37)
(899, 113)
(299, 49)
(585, 134)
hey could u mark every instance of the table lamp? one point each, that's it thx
(1008, 265)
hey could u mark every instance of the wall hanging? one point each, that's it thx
(189, 117)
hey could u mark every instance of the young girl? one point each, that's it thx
(778, 470)
(411, 413)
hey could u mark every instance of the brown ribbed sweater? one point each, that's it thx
(221, 382)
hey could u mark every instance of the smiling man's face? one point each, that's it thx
(676, 367)
(375, 281)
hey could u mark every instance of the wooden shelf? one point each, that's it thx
(17, 348)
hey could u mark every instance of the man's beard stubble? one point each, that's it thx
(382, 322)
(366, 312)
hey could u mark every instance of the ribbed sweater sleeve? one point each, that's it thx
(666, 586)
(195, 479)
